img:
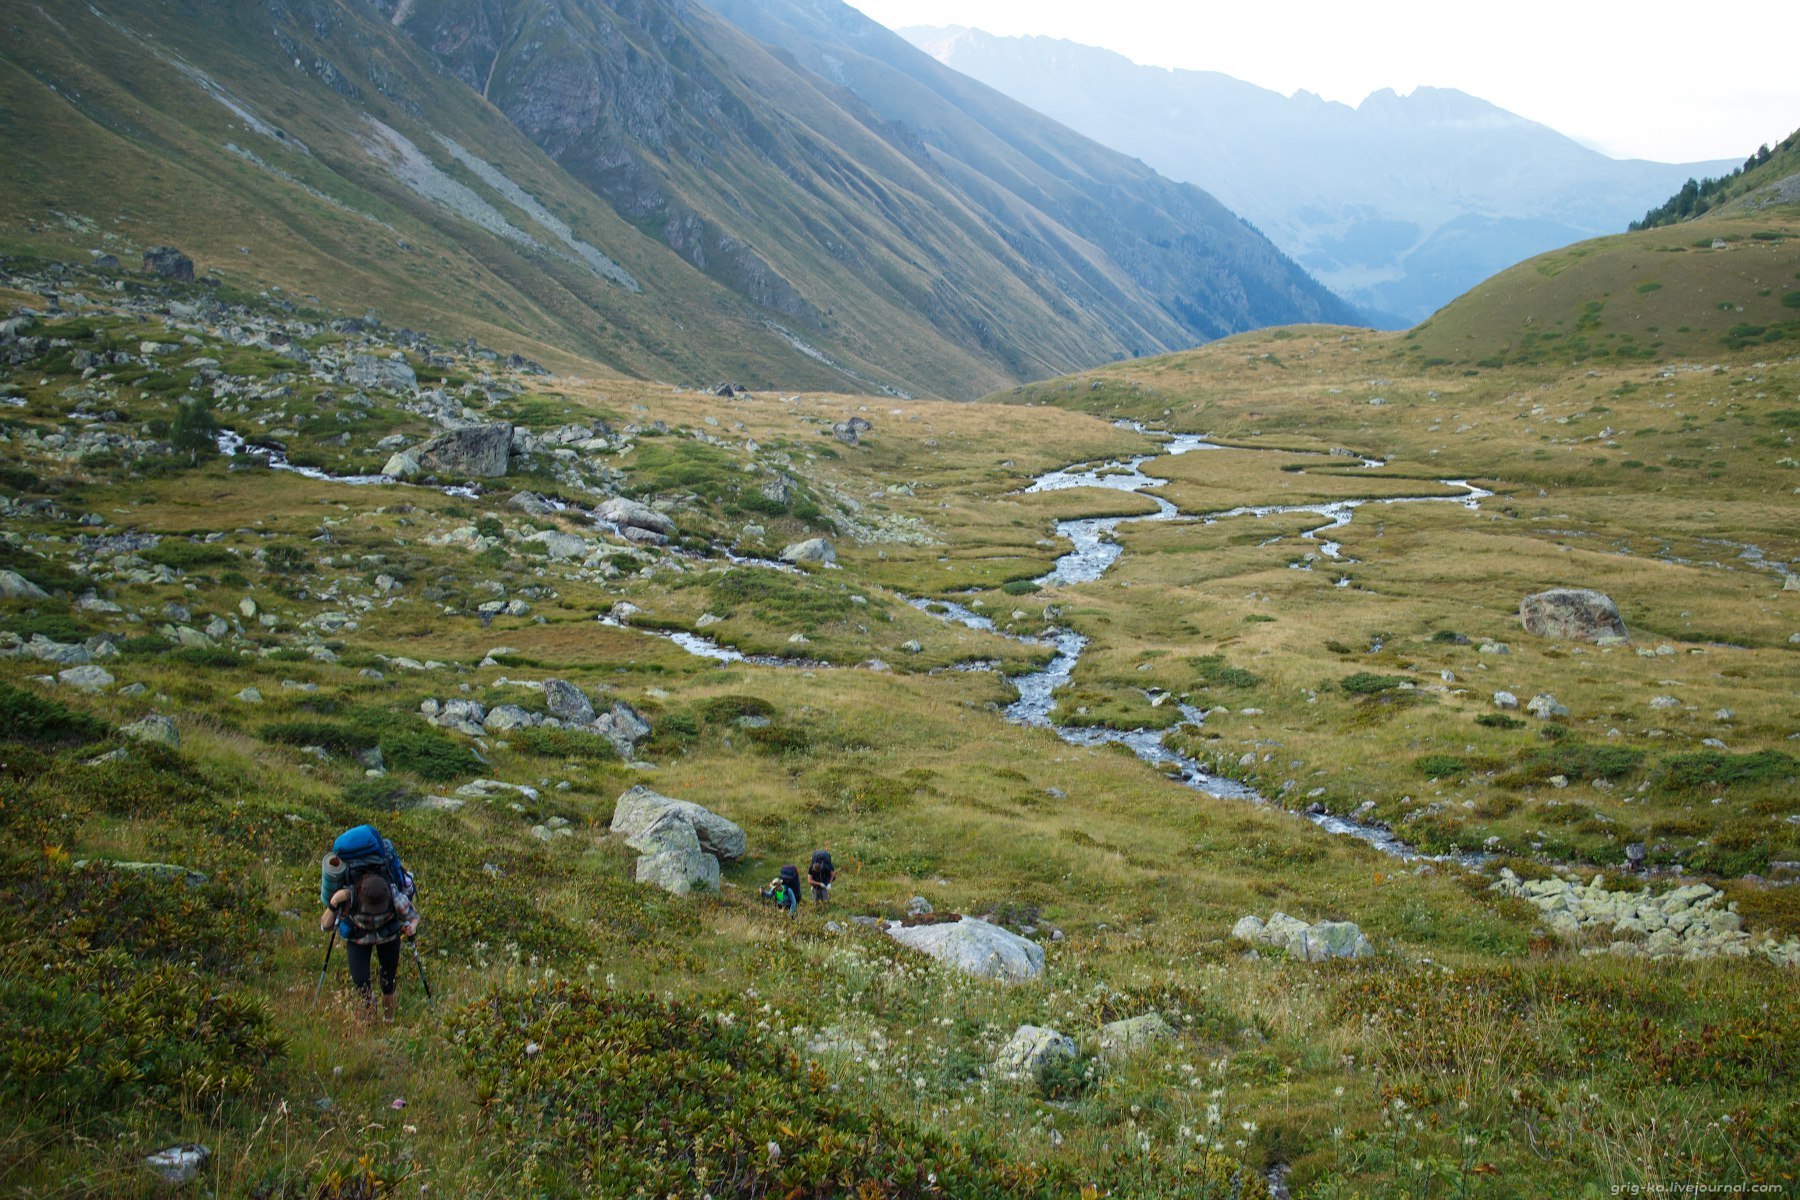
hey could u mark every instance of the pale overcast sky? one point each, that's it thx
(1648, 79)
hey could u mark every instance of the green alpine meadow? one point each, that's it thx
(1258, 756)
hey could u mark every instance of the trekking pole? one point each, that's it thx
(328, 948)
(420, 963)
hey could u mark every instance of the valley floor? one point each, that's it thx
(329, 652)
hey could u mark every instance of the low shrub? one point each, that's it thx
(1214, 670)
(1367, 683)
(1715, 768)
(183, 555)
(1499, 721)
(25, 717)
(566, 744)
(1440, 766)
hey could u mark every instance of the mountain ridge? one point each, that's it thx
(1392, 202)
(405, 157)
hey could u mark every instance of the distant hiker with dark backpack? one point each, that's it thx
(820, 875)
(784, 890)
(368, 898)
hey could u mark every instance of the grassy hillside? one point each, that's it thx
(1726, 282)
(577, 181)
(597, 1037)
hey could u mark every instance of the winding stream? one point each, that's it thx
(1093, 549)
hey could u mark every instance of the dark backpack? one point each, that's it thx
(821, 868)
(357, 852)
(791, 877)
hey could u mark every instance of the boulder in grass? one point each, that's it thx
(1029, 1050)
(680, 872)
(638, 807)
(170, 263)
(975, 948)
(812, 550)
(476, 452)
(179, 1165)
(1308, 943)
(1572, 615)
(158, 729)
(629, 514)
(567, 703)
(1121, 1039)
(15, 586)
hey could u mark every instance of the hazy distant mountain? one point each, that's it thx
(1398, 204)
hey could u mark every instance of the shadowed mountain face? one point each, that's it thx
(642, 183)
(1399, 204)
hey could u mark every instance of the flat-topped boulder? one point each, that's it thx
(1572, 615)
(629, 514)
(639, 807)
(974, 947)
(474, 452)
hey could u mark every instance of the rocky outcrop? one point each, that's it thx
(638, 808)
(387, 374)
(624, 727)
(812, 550)
(1309, 943)
(974, 947)
(477, 452)
(1688, 922)
(567, 703)
(1572, 615)
(1029, 1050)
(170, 263)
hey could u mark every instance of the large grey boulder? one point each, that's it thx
(1121, 1039)
(623, 726)
(503, 717)
(160, 730)
(629, 514)
(390, 374)
(812, 550)
(976, 948)
(680, 872)
(1029, 1049)
(1334, 939)
(567, 703)
(475, 452)
(560, 546)
(670, 833)
(14, 586)
(86, 679)
(1572, 615)
(638, 807)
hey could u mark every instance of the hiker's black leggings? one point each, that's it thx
(387, 952)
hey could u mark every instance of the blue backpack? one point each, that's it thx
(357, 852)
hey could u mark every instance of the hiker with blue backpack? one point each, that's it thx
(368, 898)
